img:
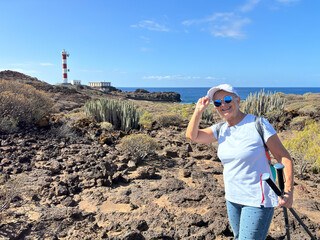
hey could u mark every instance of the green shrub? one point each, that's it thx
(298, 121)
(305, 147)
(106, 125)
(65, 130)
(8, 124)
(22, 105)
(185, 113)
(309, 109)
(185, 110)
(209, 115)
(138, 145)
(122, 115)
(264, 104)
(9, 189)
(146, 120)
(295, 106)
(168, 119)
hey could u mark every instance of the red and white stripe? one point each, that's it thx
(64, 66)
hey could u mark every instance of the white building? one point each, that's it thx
(103, 86)
(76, 82)
(99, 84)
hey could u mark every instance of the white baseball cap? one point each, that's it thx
(224, 87)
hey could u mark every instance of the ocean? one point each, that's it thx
(192, 94)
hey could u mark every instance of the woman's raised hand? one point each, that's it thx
(202, 104)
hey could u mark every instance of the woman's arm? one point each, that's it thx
(193, 131)
(282, 156)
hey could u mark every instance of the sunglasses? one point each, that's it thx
(218, 102)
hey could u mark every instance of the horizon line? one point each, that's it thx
(211, 86)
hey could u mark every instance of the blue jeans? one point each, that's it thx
(249, 222)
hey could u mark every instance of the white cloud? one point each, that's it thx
(151, 25)
(230, 24)
(21, 64)
(21, 70)
(145, 39)
(29, 64)
(287, 1)
(145, 49)
(171, 77)
(249, 5)
(223, 24)
(211, 78)
(182, 77)
(214, 17)
(232, 29)
(90, 71)
(119, 71)
(46, 64)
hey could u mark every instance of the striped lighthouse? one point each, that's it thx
(64, 67)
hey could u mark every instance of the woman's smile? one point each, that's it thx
(226, 108)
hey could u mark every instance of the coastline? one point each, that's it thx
(192, 94)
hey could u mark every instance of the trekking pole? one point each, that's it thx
(266, 177)
(279, 168)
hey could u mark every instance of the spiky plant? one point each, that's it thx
(121, 114)
(264, 104)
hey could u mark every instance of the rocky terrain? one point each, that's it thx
(74, 187)
(68, 182)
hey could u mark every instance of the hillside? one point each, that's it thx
(68, 97)
(71, 180)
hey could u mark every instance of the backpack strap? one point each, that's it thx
(219, 125)
(259, 128)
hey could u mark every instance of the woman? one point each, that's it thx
(250, 201)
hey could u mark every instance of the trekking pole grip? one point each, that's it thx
(280, 168)
(266, 177)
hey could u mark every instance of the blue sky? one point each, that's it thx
(164, 43)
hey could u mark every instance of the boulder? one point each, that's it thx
(146, 173)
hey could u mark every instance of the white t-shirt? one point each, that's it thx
(242, 154)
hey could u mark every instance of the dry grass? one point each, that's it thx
(22, 104)
(307, 103)
(160, 108)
